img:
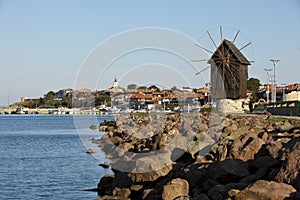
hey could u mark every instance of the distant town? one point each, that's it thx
(134, 97)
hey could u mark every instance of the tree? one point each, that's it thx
(102, 100)
(131, 86)
(66, 102)
(49, 99)
(253, 85)
(174, 88)
(154, 87)
(142, 88)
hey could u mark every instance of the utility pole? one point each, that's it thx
(274, 81)
(268, 79)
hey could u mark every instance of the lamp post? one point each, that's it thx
(297, 92)
(282, 85)
(268, 78)
(274, 81)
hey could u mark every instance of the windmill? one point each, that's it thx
(228, 69)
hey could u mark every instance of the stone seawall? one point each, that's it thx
(253, 157)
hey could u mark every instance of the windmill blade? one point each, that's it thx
(204, 48)
(202, 70)
(235, 36)
(212, 39)
(233, 76)
(221, 35)
(202, 60)
(245, 46)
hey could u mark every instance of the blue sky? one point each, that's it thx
(44, 43)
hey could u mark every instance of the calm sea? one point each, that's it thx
(43, 157)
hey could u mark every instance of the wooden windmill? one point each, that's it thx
(229, 70)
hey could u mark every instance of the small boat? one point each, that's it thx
(20, 111)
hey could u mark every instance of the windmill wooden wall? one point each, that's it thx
(229, 72)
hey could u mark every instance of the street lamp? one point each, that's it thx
(268, 78)
(274, 81)
(282, 85)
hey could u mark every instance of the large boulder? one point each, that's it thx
(285, 127)
(176, 189)
(274, 147)
(106, 184)
(202, 145)
(289, 171)
(268, 190)
(246, 147)
(149, 176)
(228, 171)
(249, 195)
(231, 106)
(121, 192)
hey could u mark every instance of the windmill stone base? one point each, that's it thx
(228, 106)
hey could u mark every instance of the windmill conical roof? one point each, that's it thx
(236, 52)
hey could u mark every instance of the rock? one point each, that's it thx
(221, 152)
(105, 165)
(231, 106)
(254, 177)
(274, 147)
(105, 185)
(289, 171)
(201, 145)
(263, 136)
(149, 176)
(231, 128)
(107, 197)
(263, 162)
(202, 127)
(228, 171)
(93, 126)
(217, 193)
(233, 192)
(269, 128)
(121, 192)
(285, 127)
(236, 186)
(200, 196)
(121, 180)
(90, 151)
(176, 189)
(126, 146)
(151, 194)
(249, 195)
(271, 190)
(245, 147)
(136, 188)
(237, 133)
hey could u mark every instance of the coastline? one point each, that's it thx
(252, 156)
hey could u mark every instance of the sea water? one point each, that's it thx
(43, 157)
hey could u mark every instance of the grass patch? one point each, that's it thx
(139, 114)
(206, 109)
(276, 119)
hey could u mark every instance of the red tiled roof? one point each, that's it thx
(141, 96)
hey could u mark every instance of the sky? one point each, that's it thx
(51, 45)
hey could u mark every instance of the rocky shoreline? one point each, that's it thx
(234, 157)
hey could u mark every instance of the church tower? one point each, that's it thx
(115, 84)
